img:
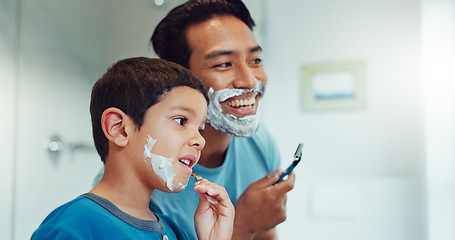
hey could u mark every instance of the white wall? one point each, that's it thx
(8, 89)
(438, 34)
(361, 175)
(61, 53)
(386, 137)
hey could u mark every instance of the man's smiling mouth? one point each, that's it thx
(245, 101)
(241, 103)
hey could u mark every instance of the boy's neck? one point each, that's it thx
(129, 196)
(216, 145)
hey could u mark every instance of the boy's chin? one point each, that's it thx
(177, 190)
(177, 187)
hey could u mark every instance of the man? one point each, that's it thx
(214, 39)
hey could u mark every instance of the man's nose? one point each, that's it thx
(245, 78)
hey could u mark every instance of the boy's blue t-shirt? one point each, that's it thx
(93, 217)
(247, 160)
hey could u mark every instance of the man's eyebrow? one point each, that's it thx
(218, 53)
(256, 49)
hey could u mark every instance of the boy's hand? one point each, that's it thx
(262, 206)
(213, 221)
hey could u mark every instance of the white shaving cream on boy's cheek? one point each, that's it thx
(162, 166)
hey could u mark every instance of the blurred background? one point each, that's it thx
(383, 171)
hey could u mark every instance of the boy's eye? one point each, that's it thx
(180, 120)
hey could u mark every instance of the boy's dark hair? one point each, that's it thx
(133, 85)
(169, 40)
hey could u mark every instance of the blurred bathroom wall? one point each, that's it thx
(361, 175)
(8, 46)
(438, 50)
(382, 172)
(368, 173)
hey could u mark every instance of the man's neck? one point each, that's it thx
(216, 145)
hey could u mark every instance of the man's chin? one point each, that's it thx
(239, 127)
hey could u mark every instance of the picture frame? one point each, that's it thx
(333, 86)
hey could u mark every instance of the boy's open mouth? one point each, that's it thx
(185, 161)
(188, 160)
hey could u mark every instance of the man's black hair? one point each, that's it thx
(169, 40)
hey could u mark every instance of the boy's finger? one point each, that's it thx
(208, 192)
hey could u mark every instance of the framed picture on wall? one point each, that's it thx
(333, 86)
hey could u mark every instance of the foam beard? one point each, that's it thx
(228, 123)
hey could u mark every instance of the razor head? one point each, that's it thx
(298, 152)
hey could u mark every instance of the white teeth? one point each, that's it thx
(242, 103)
(187, 162)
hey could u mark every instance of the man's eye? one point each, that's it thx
(201, 131)
(257, 61)
(223, 65)
(180, 120)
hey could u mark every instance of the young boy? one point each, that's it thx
(147, 118)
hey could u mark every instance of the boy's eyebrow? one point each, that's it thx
(183, 108)
(217, 53)
(190, 110)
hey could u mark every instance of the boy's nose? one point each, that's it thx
(197, 141)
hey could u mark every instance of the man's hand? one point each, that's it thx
(214, 217)
(262, 206)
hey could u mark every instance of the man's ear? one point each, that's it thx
(115, 123)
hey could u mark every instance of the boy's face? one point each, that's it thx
(225, 55)
(170, 139)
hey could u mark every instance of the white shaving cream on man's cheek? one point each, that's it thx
(162, 166)
(228, 123)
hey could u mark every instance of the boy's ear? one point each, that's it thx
(115, 126)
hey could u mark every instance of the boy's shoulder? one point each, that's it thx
(92, 216)
(72, 210)
(75, 214)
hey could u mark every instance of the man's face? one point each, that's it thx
(225, 55)
(170, 138)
